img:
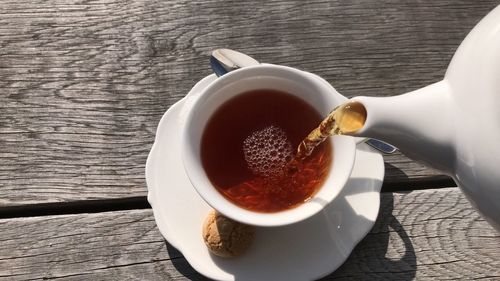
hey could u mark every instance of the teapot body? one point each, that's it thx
(474, 79)
(453, 125)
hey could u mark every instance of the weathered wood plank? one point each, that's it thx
(83, 84)
(427, 235)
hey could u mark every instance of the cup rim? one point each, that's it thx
(209, 193)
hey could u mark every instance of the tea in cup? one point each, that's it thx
(242, 131)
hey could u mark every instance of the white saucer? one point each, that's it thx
(307, 250)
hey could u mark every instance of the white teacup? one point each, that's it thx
(310, 88)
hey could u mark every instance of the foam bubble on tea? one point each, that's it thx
(267, 152)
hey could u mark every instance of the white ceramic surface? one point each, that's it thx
(310, 88)
(306, 250)
(453, 125)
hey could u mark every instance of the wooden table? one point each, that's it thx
(83, 85)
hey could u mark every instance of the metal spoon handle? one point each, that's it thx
(226, 60)
(381, 146)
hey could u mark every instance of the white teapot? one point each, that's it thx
(452, 125)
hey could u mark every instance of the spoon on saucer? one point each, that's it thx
(223, 61)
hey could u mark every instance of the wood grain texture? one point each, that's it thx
(423, 235)
(84, 83)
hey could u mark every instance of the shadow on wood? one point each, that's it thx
(394, 172)
(371, 260)
(396, 179)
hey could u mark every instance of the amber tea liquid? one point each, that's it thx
(247, 147)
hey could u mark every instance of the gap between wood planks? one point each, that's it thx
(75, 207)
(140, 202)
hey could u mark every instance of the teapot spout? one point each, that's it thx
(419, 123)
